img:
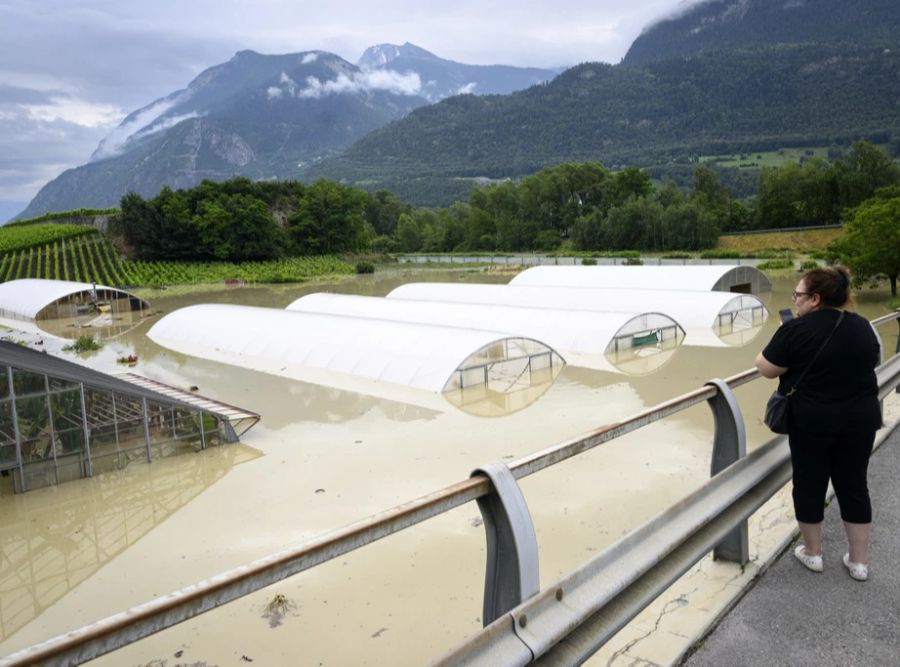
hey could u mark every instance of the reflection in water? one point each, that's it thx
(53, 539)
(281, 401)
(97, 324)
(648, 356)
(490, 400)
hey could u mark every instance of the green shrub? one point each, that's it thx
(84, 344)
(589, 261)
(716, 253)
(677, 255)
(365, 267)
(809, 264)
(633, 261)
(772, 264)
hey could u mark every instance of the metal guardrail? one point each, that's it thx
(565, 622)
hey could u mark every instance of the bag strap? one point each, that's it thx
(822, 347)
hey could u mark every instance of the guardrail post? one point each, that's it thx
(729, 445)
(511, 575)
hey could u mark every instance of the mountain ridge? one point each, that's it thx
(263, 116)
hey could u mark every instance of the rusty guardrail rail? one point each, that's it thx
(565, 622)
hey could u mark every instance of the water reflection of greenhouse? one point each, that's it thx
(60, 421)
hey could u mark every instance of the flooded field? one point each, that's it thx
(321, 458)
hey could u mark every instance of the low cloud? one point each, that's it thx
(140, 124)
(400, 83)
(467, 88)
(310, 58)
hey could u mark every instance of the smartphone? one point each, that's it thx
(785, 314)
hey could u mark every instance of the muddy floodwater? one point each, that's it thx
(322, 458)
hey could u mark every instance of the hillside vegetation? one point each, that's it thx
(659, 114)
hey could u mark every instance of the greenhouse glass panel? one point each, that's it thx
(26, 383)
(66, 407)
(8, 455)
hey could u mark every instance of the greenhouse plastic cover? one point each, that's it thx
(301, 345)
(583, 338)
(24, 298)
(698, 313)
(691, 278)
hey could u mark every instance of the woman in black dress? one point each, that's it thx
(834, 412)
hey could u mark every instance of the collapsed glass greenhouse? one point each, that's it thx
(709, 319)
(634, 342)
(71, 309)
(356, 353)
(61, 421)
(741, 279)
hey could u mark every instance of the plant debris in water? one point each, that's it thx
(277, 608)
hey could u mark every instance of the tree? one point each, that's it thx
(330, 219)
(871, 243)
(862, 171)
(237, 227)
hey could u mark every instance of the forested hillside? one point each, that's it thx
(727, 24)
(739, 100)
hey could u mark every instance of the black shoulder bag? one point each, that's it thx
(778, 408)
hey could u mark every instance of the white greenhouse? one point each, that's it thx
(634, 343)
(66, 308)
(741, 279)
(709, 319)
(355, 353)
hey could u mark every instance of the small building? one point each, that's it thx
(71, 309)
(619, 342)
(722, 278)
(61, 421)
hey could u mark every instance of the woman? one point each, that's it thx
(834, 412)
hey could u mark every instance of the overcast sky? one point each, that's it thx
(70, 70)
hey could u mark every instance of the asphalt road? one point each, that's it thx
(796, 617)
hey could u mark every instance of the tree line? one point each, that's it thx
(583, 207)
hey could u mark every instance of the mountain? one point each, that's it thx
(787, 84)
(445, 78)
(265, 116)
(727, 24)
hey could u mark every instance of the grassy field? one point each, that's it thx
(806, 240)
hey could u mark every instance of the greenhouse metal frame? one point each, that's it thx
(61, 421)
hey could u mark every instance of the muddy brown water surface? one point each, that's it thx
(322, 458)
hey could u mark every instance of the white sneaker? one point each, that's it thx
(858, 571)
(811, 562)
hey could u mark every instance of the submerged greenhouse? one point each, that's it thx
(722, 278)
(358, 354)
(636, 342)
(71, 309)
(708, 318)
(61, 421)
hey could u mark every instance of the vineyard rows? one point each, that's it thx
(91, 258)
(24, 237)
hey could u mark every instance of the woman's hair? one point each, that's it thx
(832, 284)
